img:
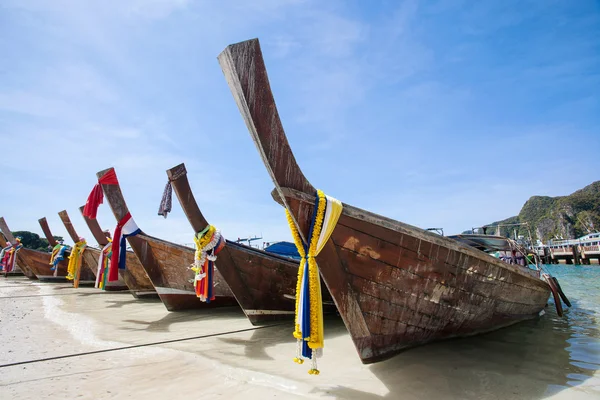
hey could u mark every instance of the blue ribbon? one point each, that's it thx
(305, 323)
(123, 248)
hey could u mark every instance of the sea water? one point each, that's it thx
(575, 338)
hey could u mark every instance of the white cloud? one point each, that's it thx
(134, 84)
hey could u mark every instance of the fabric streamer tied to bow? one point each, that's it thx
(96, 196)
(209, 242)
(74, 267)
(58, 254)
(166, 202)
(125, 228)
(4, 255)
(103, 265)
(167, 198)
(309, 330)
(10, 255)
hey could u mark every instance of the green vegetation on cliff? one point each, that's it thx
(565, 217)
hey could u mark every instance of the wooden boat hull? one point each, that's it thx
(39, 263)
(396, 290)
(134, 277)
(14, 273)
(172, 278)
(91, 257)
(395, 285)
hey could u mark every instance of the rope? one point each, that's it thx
(86, 353)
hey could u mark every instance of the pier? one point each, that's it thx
(585, 250)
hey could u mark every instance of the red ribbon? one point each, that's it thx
(96, 196)
(113, 270)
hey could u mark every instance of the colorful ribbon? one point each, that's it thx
(166, 202)
(309, 304)
(167, 198)
(8, 256)
(125, 228)
(58, 254)
(103, 266)
(4, 256)
(209, 242)
(96, 196)
(74, 267)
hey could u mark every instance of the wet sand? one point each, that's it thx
(532, 360)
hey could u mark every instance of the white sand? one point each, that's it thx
(53, 320)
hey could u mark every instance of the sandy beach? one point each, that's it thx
(219, 354)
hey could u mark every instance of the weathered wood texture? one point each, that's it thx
(101, 238)
(38, 262)
(99, 235)
(88, 268)
(25, 270)
(263, 284)
(395, 285)
(47, 232)
(166, 263)
(134, 276)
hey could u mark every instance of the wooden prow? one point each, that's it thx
(3, 242)
(7, 233)
(64, 217)
(116, 201)
(246, 74)
(178, 177)
(114, 197)
(47, 232)
(4, 238)
(95, 228)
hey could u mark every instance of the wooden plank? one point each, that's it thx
(47, 232)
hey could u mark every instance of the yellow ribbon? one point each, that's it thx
(328, 213)
(75, 261)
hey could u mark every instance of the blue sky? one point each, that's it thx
(436, 113)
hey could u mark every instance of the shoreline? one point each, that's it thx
(52, 320)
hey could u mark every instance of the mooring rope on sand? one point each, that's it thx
(134, 346)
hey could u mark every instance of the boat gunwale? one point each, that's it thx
(403, 228)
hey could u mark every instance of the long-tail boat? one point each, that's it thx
(37, 261)
(264, 284)
(90, 256)
(134, 277)
(395, 285)
(18, 270)
(164, 262)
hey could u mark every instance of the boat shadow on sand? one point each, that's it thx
(131, 301)
(233, 319)
(534, 359)
(275, 334)
(164, 323)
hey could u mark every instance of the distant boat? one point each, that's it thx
(164, 262)
(36, 261)
(505, 249)
(395, 285)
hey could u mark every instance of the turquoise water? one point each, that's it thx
(578, 332)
